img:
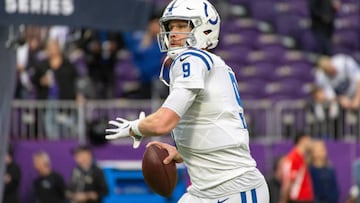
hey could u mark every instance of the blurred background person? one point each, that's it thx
(49, 185)
(274, 182)
(338, 81)
(56, 79)
(354, 193)
(322, 14)
(296, 184)
(87, 184)
(101, 50)
(339, 77)
(12, 179)
(146, 56)
(323, 176)
(325, 111)
(60, 34)
(28, 54)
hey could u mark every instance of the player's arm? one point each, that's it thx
(166, 118)
(188, 80)
(159, 123)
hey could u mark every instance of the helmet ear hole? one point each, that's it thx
(206, 32)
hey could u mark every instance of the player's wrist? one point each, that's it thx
(134, 129)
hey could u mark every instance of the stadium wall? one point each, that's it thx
(341, 154)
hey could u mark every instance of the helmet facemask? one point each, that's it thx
(164, 35)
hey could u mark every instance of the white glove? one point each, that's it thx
(122, 129)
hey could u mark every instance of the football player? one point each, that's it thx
(203, 111)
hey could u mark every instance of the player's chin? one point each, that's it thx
(174, 46)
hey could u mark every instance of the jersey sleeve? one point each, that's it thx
(179, 100)
(189, 71)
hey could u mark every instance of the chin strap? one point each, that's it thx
(161, 76)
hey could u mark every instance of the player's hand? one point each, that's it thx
(173, 153)
(122, 129)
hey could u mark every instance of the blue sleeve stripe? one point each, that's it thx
(243, 122)
(204, 52)
(198, 55)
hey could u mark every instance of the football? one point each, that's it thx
(160, 177)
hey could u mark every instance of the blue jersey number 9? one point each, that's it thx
(237, 96)
(186, 69)
(236, 89)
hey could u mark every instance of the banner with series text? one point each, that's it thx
(117, 15)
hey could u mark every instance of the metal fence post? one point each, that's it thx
(81, 122)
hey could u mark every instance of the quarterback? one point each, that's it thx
(203, 111)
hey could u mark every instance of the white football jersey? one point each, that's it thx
(211, 136)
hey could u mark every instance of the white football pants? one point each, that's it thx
(256, 195)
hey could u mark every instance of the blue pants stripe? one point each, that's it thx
(253, 196)
(243, 197)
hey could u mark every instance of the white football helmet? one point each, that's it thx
(201, 16)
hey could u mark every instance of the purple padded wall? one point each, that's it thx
(341, 154)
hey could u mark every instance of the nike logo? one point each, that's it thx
(182, 59)
(221, 201)
(190, 8)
